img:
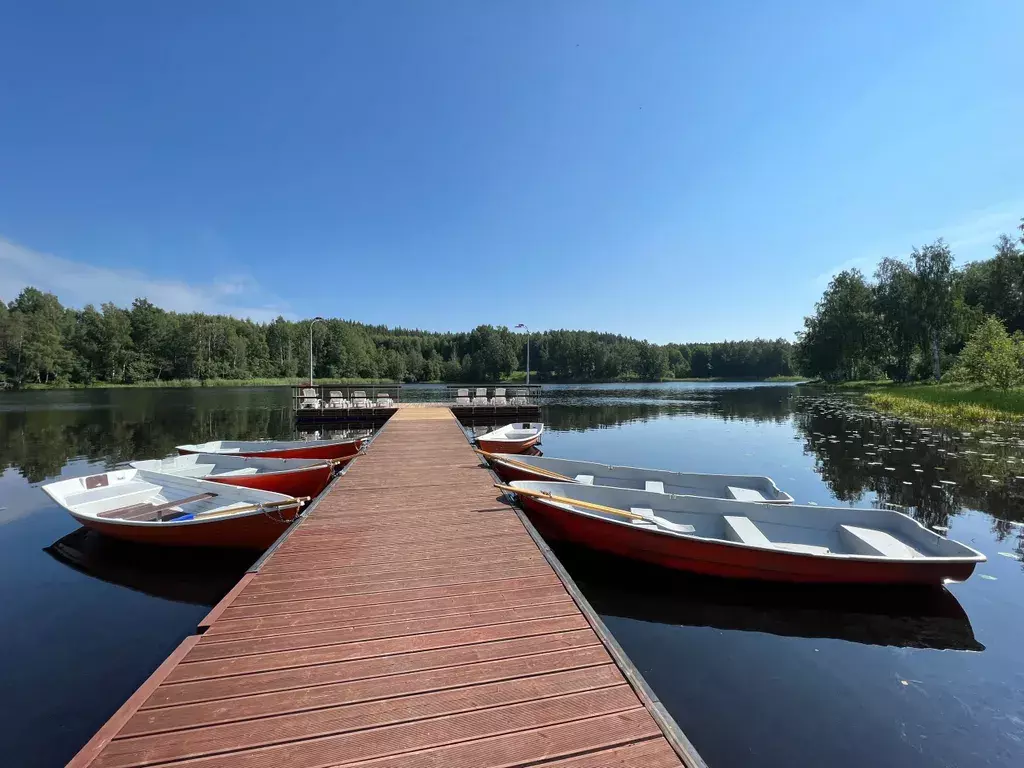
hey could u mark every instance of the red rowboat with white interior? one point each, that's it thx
(512, 438)
(747, 540)
(547, 468)
(280, 449)
(137, 505)
(292, 477)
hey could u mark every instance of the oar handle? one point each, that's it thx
(491, 457)
(296, 502)
(571, 502)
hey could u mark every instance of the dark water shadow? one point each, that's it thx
(912, 617)
(197, 576)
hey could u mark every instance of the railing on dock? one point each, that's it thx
(328, 398)
(492, 395)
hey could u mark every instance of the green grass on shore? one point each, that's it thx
(948, 403)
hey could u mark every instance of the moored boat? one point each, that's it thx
(511, 438)
(545, 468)
(292, 477)
(279, 449)
(137, 505)
(737, 539)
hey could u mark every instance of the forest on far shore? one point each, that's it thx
(44, 342)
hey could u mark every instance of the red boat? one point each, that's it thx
(747, 540)
(279, 449)
(511, 438)
(292, 477)
(155, 508)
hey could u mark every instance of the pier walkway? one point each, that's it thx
(410, 619)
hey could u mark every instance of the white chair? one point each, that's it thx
(481, 396)
(384, 401)
(462, 397)
(519, 397)
(309, 399)
(337, 400)
(359, 399)
(499, 397)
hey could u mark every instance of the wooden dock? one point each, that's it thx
(410, 619)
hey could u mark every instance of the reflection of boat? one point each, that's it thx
(906, 617)
(292, 477)
(280, 449)
(206, 577)
(740, 487)
(739, 539)
(137, 505)
(511, 438)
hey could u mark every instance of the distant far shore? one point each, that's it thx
(294, 382)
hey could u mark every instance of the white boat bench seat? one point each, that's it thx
(745, 494)
(106, 492)
(743, 530)
(236, 472)
(803, 549)
(870, 541)
(659, 522)
(585, 479)
(655, 486)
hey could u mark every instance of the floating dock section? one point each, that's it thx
(411, 618)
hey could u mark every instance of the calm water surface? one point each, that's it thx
(755, 674)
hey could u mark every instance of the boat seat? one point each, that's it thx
(655, 486)
(870, 541)
(803, 549)
(585, 479)
(744, 494)
(236, 472)
(743, 530)
(649, 519)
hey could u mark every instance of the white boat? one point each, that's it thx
(512, 438)
(738, 539)
(280, 449)
(292, 477)
(541, 468)
(143, 506)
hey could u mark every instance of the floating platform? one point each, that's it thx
(411, 618)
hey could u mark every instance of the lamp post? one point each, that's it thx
(316, 319)
(523, 326)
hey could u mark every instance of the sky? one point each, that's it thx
(675, 171)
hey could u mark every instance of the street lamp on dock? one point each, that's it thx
(316, 319)
(523, 326)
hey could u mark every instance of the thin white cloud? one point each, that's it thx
(77, 284)
(970, 239)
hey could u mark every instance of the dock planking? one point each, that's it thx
(410, 619)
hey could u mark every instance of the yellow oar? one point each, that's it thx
(524, 465)
(252, 507)
(572, 502)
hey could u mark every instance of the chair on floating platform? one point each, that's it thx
(359, 400)
(480, 398)
(337, 400)
(384, 400)
(462, 397)
(309, 400)
(519, 397)
(499, 397)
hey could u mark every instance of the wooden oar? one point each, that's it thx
(524, 465)
(572, 502)
(252, 507)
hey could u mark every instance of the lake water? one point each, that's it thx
(754, 674)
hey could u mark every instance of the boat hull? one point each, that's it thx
(243, 532)
(341, 450)
(308, 481)
(509, 446)
(508, 473)
(722, 559)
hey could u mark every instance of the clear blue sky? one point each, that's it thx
(668, 170)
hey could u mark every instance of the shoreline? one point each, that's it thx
(945, 404)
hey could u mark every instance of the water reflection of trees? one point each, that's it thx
(580, 410)
(40, 442)
(936, 473)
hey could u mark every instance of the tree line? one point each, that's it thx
(913, 320)
(44, 342)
